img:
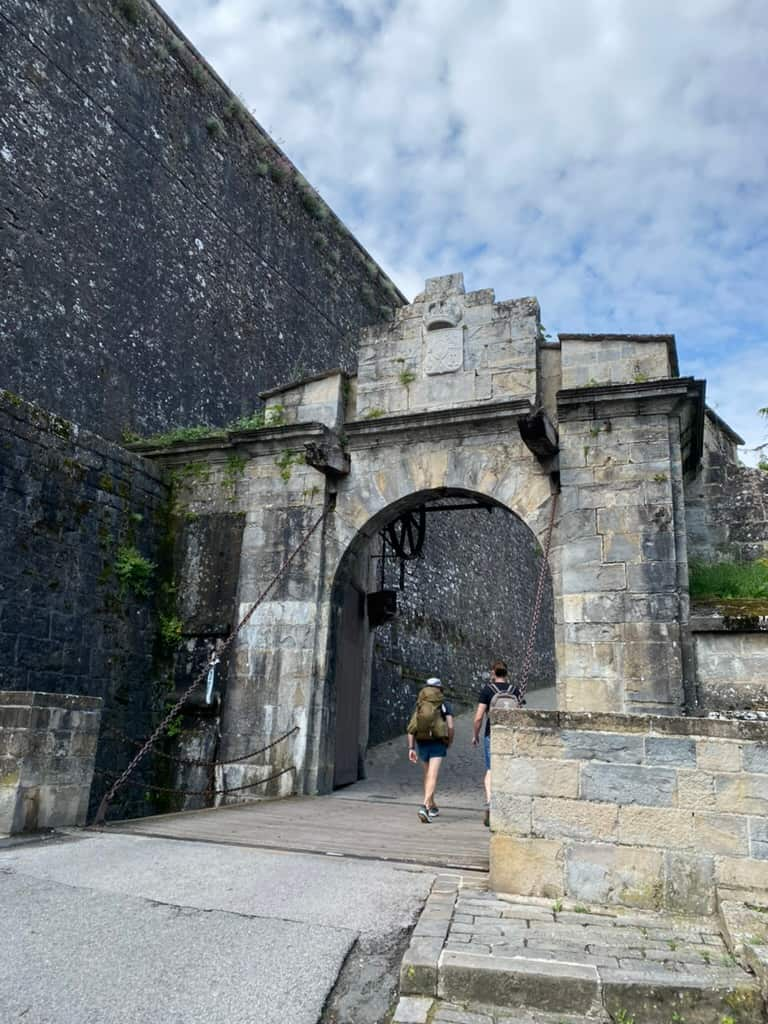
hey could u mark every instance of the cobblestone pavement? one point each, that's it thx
(535, 958)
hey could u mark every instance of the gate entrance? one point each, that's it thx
(443, 587)
(458, 396)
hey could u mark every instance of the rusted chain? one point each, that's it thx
(150, 742)
(522, 689)
(194, 762)
(199, 792)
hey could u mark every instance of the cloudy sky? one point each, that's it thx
(607, 156)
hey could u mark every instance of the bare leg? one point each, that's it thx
(430, 780)
(487, 784)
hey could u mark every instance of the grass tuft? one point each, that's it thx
(745, 580)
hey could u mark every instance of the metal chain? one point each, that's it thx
(522, 689)
(209, 791)
(194, 762)
(150, 742)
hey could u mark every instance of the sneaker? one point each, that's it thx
(433, 811)
(487, 816)
(424, 815)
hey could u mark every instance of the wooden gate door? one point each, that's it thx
(350, 647)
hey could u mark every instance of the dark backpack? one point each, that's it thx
(501, 697)
(428, 721)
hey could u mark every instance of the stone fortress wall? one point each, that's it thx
(163, 260)
(71, 506)
(163, 263)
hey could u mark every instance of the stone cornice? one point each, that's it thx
(627, 399)
(261, 441)
(436, 424)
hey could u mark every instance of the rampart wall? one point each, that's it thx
(162, 260)
(75, 513)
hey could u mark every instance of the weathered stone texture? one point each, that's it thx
(624, 553)
(47, 751)
(659, 833)
(731, 667)
(163, 261)
(69, 501)
(726, 503)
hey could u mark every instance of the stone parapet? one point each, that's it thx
(653, 812)
(731, 665)
(47, 753)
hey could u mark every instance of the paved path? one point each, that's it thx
(115, 929)
(531, 956)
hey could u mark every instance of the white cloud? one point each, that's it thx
(608, 156)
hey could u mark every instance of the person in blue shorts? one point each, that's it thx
(430, 751)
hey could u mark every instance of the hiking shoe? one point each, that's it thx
(433, 811)
(487, 816)
(424, 815)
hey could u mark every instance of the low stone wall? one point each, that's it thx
(47, 752)
(643, 811)
(731, 664)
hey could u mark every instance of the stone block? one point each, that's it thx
(511, 815)
(9, 797)
(624, 784)
(742, 873)
(718, 755)
(611, 874)
(537, 743)
(526, 867)
(721, 834)
(574, 819)
(591, 661)
(592, 608)
(603, 695)
(696, 790)
(412, 1010)
(527, 776)
(661, 750)
(652, 577)
(593, 632)
(418, 970)
(758, 838)
(594, 579)
(664, 996)
(669, 828)
(616, 748)
(742, 794)
(512, 982)
(755, 757)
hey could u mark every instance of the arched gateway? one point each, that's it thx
(459, 395)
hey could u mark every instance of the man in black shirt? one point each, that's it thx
(499, 683)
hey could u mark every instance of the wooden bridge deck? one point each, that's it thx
(376, 828)
(375, 818)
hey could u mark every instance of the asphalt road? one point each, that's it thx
(116, 929)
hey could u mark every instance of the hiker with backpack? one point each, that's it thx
(498, 690)
(430, 733)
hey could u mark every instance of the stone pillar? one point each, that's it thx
(47, 751)
(622, 536)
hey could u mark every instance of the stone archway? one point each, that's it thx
(353, 620)
(460, 394)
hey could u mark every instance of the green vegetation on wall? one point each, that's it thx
(729, 580)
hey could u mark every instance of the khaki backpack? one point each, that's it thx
(428, 721)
